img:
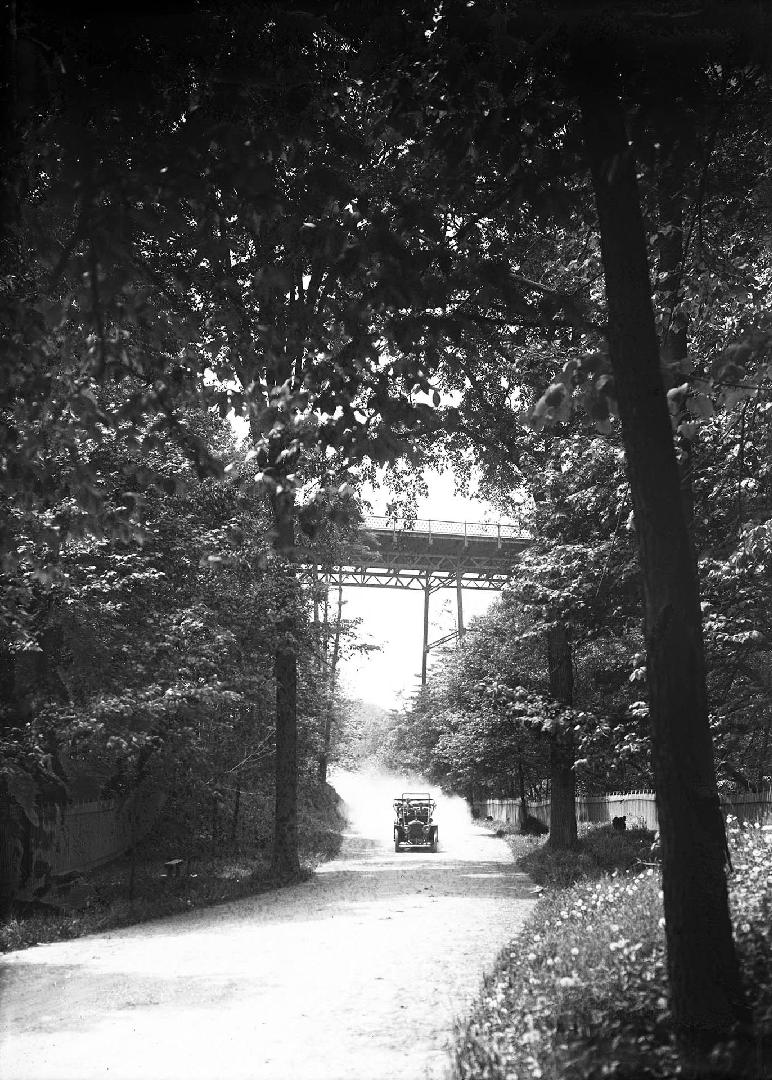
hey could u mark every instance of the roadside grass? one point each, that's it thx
(600, 850)
(582, 993)
(107, 898)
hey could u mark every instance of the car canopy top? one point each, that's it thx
(409, 798)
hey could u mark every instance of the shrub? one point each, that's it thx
(582, 993)
(612, 850)
(750, 899)
(599, 850)
(579, 993)
(557, 869)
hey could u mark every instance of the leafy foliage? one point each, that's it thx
(489, 711)
(583, 990)
(599, 851)
(151, 656)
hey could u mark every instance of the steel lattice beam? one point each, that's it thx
(384, 578)
(442, 554)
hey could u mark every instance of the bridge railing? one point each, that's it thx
(435, 527)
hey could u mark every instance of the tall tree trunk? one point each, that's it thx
(286, 860)
(235, 817)
(324, 757)
(674, 161)
(523, 808)
(11, 110)
(707, 997)
(562, 777)
(670, 205)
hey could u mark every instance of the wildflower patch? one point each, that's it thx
(583, 993)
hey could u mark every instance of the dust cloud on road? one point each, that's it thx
(355, 975)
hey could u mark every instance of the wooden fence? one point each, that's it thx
(753, 806)
(74, 837)
(639, 807)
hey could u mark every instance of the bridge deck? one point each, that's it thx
(431, 553)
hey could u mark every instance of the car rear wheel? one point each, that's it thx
(396, 845)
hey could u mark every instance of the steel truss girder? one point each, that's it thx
(443, 572)
(399, 578)
(423, 562)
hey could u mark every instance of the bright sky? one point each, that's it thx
(393, 618)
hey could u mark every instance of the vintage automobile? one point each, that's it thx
(413, 824)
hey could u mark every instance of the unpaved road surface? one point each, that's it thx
(355, 975)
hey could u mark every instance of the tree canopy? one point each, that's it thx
(534, 233)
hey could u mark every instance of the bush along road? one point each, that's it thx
(583, 991)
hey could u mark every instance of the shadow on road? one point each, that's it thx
(328, 959)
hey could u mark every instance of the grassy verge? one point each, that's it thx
(107, 897)
(601, 850)
(582, 993)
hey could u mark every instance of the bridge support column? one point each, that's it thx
(317, 636)
(459, 605)
(425, 653)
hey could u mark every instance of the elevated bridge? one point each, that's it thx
(442, 553)
(428, 554)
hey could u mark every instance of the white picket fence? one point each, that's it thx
(639, 807)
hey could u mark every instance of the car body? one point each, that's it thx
(414, 821)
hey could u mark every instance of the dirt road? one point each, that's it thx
(355, 975)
